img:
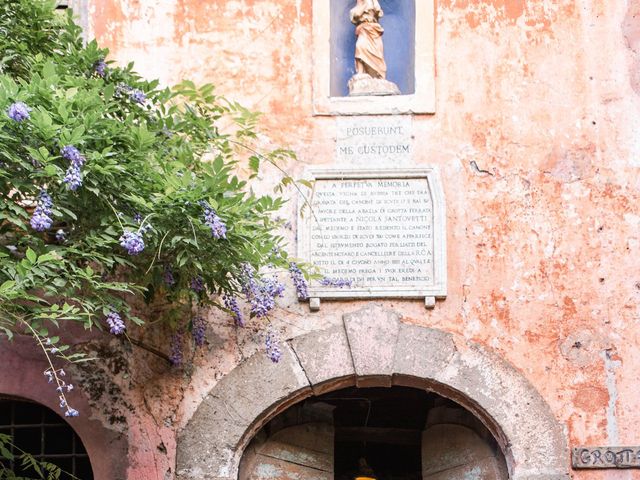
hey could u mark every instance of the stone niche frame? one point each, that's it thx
(437, 290)
(423, 101)
(372, 347)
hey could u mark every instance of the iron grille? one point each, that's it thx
(41, 432)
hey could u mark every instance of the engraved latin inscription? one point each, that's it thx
(386, 141)
(374, 232)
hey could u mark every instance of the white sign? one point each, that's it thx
(383, 231)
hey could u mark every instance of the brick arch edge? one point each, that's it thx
(373, 347)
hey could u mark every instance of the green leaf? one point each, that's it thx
(8, 285)
(31, 255)
(4, 453)
(108, 91)
(49, 70)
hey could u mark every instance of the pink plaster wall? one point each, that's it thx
(543, 250)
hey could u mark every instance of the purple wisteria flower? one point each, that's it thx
(72, 154)
(198, 330)
(213, 221)
(55, 376)
(18, 111)
(100, 67)
(169, 279)
(132, 242)
(137, 96)
(197, 284)
(299, 281)
(260, 292)
(272, 346)
(73, 176)
(231, 304)
(41, 219)
(116, 325)
(176, 356)
(336, 282)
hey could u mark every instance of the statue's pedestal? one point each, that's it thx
(362, 84)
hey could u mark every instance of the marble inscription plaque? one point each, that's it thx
(382, 231)
(605, 457)
(381, 140)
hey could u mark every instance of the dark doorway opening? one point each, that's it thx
(396, 433)
(38, 430)
(380, 427)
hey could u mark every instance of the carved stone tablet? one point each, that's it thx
(376, 141)
(383, 230)
(605, 457)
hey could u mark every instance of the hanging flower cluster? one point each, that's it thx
(213, 221)
(261, 292)
(272, 346)
(176, 356)
(73, 177)
(197, 284)
(100, 67)
(231, 304)
(62, 387)
(116, 325)
(41, 219)
(198, 330)
(132, 242)
(168, 276)
(137, 96)
(302, 289)
(18, 112)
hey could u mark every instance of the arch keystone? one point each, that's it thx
(372, 333)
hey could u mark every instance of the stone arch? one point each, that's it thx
(373, 347)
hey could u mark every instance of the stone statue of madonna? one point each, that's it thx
(371, 69)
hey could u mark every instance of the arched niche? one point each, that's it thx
(373, 348)
(399, 23)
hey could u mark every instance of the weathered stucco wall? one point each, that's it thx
(536, 136)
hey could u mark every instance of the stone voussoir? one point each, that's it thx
(325, 357)
(373, 334)
(425, 352)
(500, 392)
(231, 413)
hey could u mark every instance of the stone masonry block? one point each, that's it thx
(423, 352)
(373, 334)
(209, 442)
(324, 356)
(446, 447)
(499, 392)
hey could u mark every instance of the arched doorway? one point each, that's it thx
(372, 347)
(397, 433)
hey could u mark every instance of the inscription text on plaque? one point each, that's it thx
(381, 230)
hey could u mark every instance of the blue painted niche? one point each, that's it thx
(399, 23)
